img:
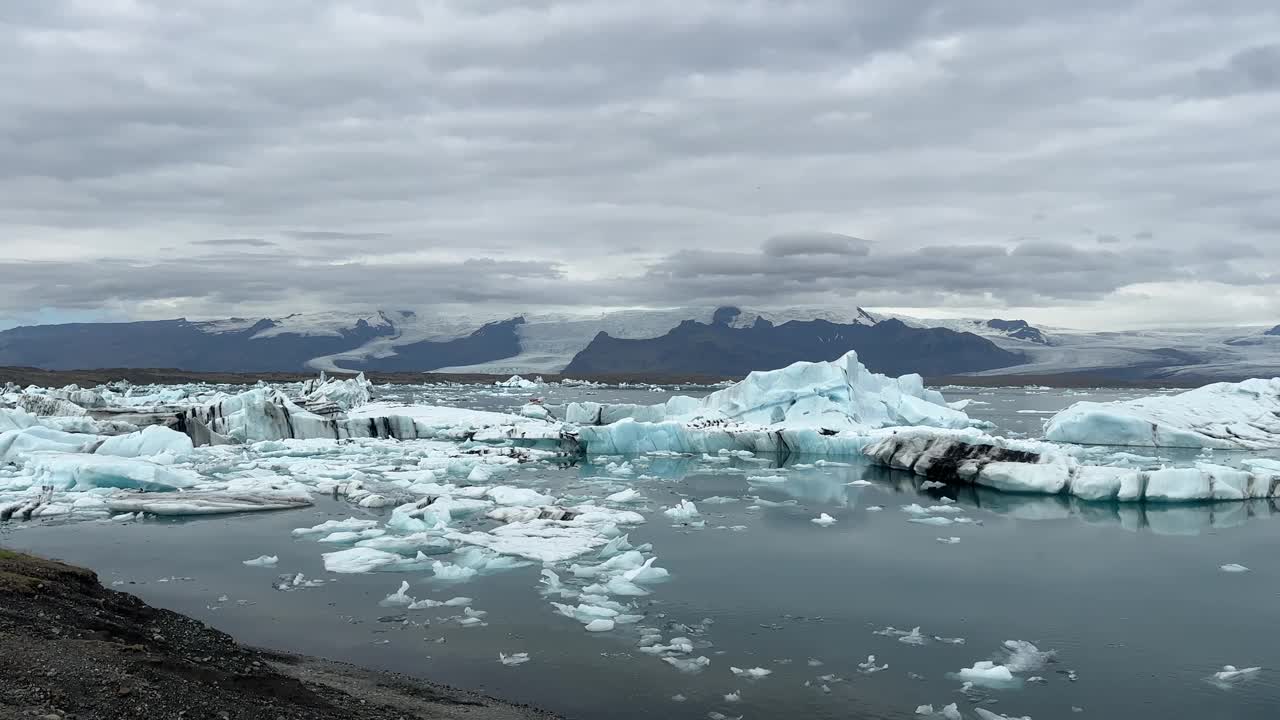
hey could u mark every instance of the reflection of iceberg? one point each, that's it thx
(823, 408)
(1223, 415)
(1157, 518)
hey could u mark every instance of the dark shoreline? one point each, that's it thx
(141, 376)
(70, 648)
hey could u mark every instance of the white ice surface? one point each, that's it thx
(1242, 415)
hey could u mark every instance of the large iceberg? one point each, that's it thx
(266, 413)
(1241, 416)
(820, 407)
(1029, 466)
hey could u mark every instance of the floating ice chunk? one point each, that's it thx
(424, 604)
(331, 526)
(949, 641)
(399, 598)
(934, 521)
(1233, 568)
(913, 638)
(678, 698)
(756, 673)
(824, 520)
(206, 502)
(1242, 415)
(1025, 657)
(506, 495)
(869, 667)
(713, 715)
(352, 536)
(150, 441)
(513, 658)
(682, 512)
(986, 672)
(599, 625)
(949, 540)
(534, 410)
(984, 714)
(452, 573)
(363, 560)
(646, 573)
(630, 495)
(66, 471)
(1230, 676)
(458, 602)
(688, 665)
(733, 697)
(263, 561)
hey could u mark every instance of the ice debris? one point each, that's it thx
(823, 520)
(263, 561)
(513, 658)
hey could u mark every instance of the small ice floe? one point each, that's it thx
(733, 697)
(932, 520)
(713, 715)
(678, 698)
(869, 667)
(263, 561)
(626, 496)
(1230, 676)
(398, 598)
(814, 662)
(682, 512)
(949, 641)
(513, 658)
(599, 625)
(756, 673)
(458, 602)
(875, 508)
(948, 712)
(985, 714)
(949, 540)
(1233, 568)
(932, 485)
(913, 638)
(823, 520)
(424, 604)
(688, 665)
(452, 573)
(860, 483)
(1025, 657)
(986, 673)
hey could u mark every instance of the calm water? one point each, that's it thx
(1131, 600)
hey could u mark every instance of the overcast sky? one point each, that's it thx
(1093, 163)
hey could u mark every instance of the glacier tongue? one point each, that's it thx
(805, 407)
(1241, 416)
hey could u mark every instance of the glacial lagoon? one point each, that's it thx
(1127, 606)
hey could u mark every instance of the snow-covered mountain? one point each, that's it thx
(711, 340)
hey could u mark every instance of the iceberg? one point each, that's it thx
(819, 407)
(328, 396)
(1030, 466)
(1238, 416)
(151, 441)
(78, 471)
(190, 503)
(266, 413)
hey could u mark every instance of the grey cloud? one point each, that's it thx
(586, 137)
(245, 242)
(815, 244)
(1253, 69)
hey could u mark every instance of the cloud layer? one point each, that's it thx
(228, 157)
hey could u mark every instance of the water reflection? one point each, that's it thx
(815, 481)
